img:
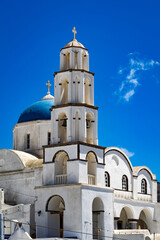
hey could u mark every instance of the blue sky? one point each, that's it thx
(123, 40)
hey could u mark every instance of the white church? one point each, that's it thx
(68, 185)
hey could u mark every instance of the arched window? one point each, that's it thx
(143, 186)
(28, 141)
(107, 179)
(49, 138)
(124, 183)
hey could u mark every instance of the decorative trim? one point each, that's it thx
(74, 104)
(133, 220)
(122, 190)
(145, 194)
(146, 171)
(122, 155)
(74, 143)
(74, 47)
(72, 70)
(53, 159)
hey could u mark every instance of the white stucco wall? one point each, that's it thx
(78, 201)
(38, 131)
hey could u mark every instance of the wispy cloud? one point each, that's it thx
(128, 95)
(129, 154)
(131, 75)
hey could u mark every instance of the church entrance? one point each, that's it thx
(98, 219)
(55, 208)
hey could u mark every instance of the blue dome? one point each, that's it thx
(37, 111)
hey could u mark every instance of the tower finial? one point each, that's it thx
(48, 84)
(75, 32)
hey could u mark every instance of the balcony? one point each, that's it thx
(123, 194)
(61, 179)
(144, 197)
(91, 179)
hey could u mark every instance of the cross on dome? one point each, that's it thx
(74, 32)
(49, 85)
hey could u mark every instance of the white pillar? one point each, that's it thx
(116, 223)
(133, 223)
(69, 126)
(79, 57)
(69, 90)
(135, 190)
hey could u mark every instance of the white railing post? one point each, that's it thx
(61, 179)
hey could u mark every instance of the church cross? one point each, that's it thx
(48, 84)
(74, 31)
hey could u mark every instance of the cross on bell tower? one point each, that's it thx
(74, 32)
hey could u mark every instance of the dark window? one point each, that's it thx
(49, 138)
(124, 183)
(107, 179)
(28, 141)
(119, 224)
(143, 186)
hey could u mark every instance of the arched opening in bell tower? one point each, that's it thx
(76, 60)
(84, 61)
(62, 128)
(89, 128)
(55, 207)
(64, 92)
(87, 91)
(67, 60)
(92, 164)
(60, 159)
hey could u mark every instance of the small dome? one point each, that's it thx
(74, 43)
(37, 111)
(47, 97)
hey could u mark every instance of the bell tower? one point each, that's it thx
(74, 116)
(73, 164)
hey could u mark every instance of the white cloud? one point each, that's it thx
(129, 154)
(128, 95)
(121, 87)
(134, 81)
(120, 71)
(131, 75)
